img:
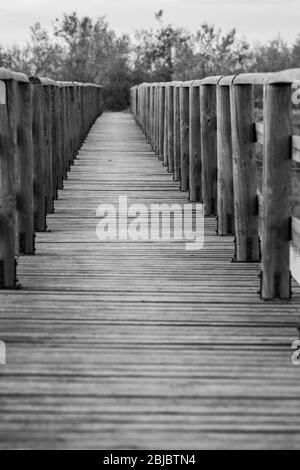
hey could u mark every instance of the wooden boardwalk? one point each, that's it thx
(141, 344)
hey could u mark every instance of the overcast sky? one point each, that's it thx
(255, 19)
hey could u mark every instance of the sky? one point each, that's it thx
(257, 20)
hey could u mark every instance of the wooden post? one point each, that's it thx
(195, 145)
(8, 151)
(48, 151)
(161, 121)
(71, 125)
(54, 143)
(276, 191)
(165, 151)
(170, 98)
(157, 120)
(155, 123)
(147, 111)
(58, 137)
(224, 149)
(151, 110)
(39, 176)
(177, 168)
(209, 147)
(63, 130)
(244, 181)
(25, 164)
(184, 136)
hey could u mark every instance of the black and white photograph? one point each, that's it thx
(149, 228)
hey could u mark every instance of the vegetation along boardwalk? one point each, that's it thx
(141, 344)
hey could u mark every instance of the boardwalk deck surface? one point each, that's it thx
(141, 344)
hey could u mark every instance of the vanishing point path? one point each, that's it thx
(141, 344)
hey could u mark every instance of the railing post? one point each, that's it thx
(155, 120)
(151, 111)
(48, 150)
(166, 122)
(63, 121)
(8, 160)
(147, 112)
(161, 121)
(170, 136)
(244, 181)
(184, 136)
(275, 274)
(39, 175)
(224, 149)
(208, 147)
(195, 145)
(177, 169)
(25, 164)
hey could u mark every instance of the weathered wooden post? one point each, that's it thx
(166, 122)
(48, 149)
(244, 180)
(63, 129)
(25, 221)
(147, 104)
(47, 104)
(155, 126)
(151, 123)
(224, 150)
(8, 174)
(148, 112)
(157, 122)
(275, 281)
(39, 172)
(71, 123)
(161, 121)
(184, 135)
(208, 121)
(195, 177)
(170, 136)
(177, 167)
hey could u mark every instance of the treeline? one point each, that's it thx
(81, 49)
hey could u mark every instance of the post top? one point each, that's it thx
(284, 76)
(42, 81)
(6, 74)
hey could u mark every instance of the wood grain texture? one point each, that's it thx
(195, 170)
(244, 181)
(184, 137)
(208, 120)
(225, 206)
(132, 345)
(276, 192)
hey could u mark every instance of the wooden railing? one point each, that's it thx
(205, 132)
(42, 125)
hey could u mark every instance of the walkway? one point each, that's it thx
(141, 344)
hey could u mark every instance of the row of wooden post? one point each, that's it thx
(42, 125)
(204, 133)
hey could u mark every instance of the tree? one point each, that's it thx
(216, 53)
(157, 52)
(296, 52)
(274, 56)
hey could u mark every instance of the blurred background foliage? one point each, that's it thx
(87, 50)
